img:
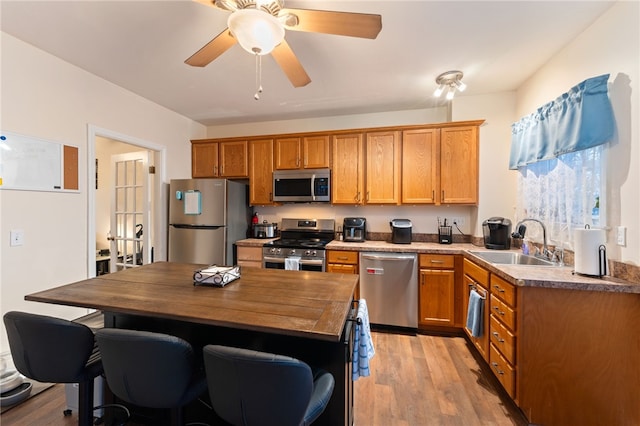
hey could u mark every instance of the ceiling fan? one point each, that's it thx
(259, 27)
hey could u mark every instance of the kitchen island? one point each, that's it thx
(296, 313)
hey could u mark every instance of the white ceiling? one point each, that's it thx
(142, 45)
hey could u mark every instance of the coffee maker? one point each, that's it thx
(354, 229)
(497, 233)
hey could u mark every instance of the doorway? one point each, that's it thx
(103, 146)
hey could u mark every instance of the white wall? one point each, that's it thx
(47, 98)
(497, 194)
(392, 118)
(611, 45)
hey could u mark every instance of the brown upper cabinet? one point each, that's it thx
(420, 148)
(224, 159)
(347, 168)
(419, 164)
(440, 166)
(459, 165)
(261, 172)
(306, 152)
(366, 168)
(382, 170)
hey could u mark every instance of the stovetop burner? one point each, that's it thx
(298, 243)
(304, 233)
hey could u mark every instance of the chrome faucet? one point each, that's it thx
(521, 229)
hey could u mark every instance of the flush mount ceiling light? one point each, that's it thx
(450, 80)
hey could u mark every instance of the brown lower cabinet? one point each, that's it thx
(579, 357)
(250, 257)
(565, 356)
(344, 262)
(437, 290)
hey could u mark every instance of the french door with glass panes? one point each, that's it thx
(130, 211)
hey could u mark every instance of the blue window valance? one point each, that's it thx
(579, 119)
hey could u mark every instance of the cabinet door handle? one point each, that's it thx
(495, 365)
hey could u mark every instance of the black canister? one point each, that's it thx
(401, 231)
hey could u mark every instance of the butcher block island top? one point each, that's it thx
(313, 305)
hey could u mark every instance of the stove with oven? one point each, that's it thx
(303, 240)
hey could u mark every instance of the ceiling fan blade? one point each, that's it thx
(339, 23)
(205, 2)
(289, 63)
(210, 51)
(229, 5)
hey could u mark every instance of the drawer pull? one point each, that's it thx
(437, 261)
(498, 311)
(497, 336)
(495, 366)
(342, 258)
(500, 289)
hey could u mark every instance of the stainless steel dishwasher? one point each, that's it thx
(389, 284)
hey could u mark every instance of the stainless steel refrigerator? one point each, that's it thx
(206, 218)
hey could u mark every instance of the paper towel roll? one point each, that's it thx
(587, 251)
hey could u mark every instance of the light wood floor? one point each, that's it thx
(415, 381)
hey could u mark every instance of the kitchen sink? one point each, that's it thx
(511, 258)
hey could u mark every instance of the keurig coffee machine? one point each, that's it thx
(497, 233)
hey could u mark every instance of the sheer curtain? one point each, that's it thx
(564, 193)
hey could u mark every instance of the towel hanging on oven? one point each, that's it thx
(292, 263)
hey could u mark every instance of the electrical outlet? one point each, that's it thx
(621, 235)
(457, 221)
(16, 237)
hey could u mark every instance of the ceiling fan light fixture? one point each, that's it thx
(450, 80)
(257, 32)
(230, 5)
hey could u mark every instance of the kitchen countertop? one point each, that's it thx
(312, 305)
(254, 242)
(561, 277)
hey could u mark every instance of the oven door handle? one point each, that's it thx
(311, 261)
(301, 261)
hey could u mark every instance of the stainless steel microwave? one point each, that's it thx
(302, 186)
